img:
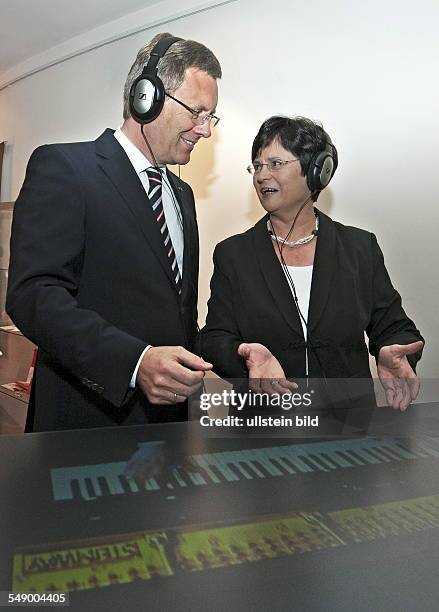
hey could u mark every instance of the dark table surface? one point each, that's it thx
(214, 521)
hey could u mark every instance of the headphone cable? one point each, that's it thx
(308, 340)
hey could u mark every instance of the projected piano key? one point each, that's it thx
(75, 490)
(404, 452)
(382, 458)
(319, 462)
(92, 487)
(252, 468)
(262, 470)
(367, 455)
(421, 450)
(196, 478)
(263, 457)
(244, 469)
(430, 446)
(201, 461)
(239, 466)
(306, 460)
(179, 478)
(329, 460)
(234, 470)
(351, 461)
(282, 464)
(298, 463)
(128, 484)
(389, 452)
(151, 484)
(219, 475)
(358, 456)
(219, 461)
(277, 454)
(328, 450)
(242, 462)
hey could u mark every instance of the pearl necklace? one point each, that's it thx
(292, 243)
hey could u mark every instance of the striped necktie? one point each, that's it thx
(155, 198)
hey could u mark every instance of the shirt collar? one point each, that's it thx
(139, 161)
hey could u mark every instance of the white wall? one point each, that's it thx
(368, 71)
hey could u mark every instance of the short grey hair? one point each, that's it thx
(180, 56)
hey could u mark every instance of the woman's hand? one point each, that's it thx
(264, 370)
(396, 374)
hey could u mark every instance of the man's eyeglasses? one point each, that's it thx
(273, 165)
(198, 117)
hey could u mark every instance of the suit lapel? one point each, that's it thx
(116, 165)
(274, 275)
(323, 272)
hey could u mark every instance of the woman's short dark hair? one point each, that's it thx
(300, 136)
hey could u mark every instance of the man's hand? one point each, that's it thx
(159, 460)
(147, 462)
(396, 374)
(264, 370)
(170, 374)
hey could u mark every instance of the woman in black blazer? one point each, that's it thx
(293, 296)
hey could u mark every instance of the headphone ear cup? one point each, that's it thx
(326, 171)
(147, 97)
(321, 170)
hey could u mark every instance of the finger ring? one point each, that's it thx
(175, 397)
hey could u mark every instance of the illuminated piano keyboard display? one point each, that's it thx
(90, 482)
(184, 546)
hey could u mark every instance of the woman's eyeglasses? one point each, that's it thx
(273, 165)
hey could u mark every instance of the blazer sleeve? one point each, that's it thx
(389, 323)
(220, 338)
(47, 251)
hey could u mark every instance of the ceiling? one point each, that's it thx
(31, 27)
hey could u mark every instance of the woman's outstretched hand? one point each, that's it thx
(400, 382)
(264, 370)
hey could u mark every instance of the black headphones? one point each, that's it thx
(322, 167)
(147, 93)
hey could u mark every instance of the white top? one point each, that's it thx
(170, 203)
(302, 277)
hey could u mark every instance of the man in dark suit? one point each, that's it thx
(104, 254)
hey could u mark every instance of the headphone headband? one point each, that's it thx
(158, 51)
